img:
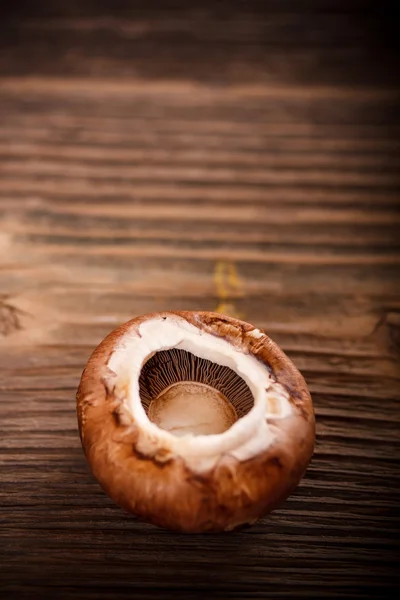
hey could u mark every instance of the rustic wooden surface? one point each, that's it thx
(234, 156)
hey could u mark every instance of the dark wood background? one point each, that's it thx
(238, 156)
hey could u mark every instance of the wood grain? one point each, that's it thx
(242, 156)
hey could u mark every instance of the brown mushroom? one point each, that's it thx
(194, 421)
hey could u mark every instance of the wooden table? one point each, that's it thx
(230, 157)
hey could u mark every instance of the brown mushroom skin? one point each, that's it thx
(163, 490)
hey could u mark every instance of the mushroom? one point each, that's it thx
(194, 421)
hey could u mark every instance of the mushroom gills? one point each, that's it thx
(185, 394)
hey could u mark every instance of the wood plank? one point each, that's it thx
(145, 150)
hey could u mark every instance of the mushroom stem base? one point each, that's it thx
(192, 408)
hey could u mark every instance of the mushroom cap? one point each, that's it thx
(195, 483)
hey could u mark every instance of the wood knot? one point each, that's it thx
(393, 325)
(388, 328)
(10, 318)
